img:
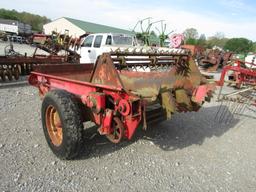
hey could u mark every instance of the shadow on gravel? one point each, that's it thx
(181, 131)
(190, 129)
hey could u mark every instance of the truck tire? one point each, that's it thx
(62, 123)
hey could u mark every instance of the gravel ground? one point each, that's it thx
(20, 48)
(190, 152)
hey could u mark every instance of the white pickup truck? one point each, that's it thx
(95, 44)
(250, 58)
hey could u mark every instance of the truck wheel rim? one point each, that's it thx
(54, 126)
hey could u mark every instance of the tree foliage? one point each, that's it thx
(190, 33)
(254, 47)
(191, 41)
(36, 21)
(191, 37)
(218, 40)
(236, 45)
(202, 40)
(239, 45)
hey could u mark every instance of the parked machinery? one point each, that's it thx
(123, 90)
(243, 76)
(13, 64)
(211, 60)
(12, 67)
(57, 42)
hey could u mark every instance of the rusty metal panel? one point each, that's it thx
(104, 72)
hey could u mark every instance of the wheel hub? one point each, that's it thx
(54, 126)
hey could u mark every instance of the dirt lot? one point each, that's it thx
(191, 152)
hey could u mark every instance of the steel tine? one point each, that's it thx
(225, 111)
(239, 107)
(228, 112)
(219, 109)
(219, 94)
(243, 108)
(233, 109)
(222, 110)
(249, 108)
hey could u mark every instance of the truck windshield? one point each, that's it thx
(122, 40)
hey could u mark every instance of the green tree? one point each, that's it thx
(191, 41)
(218, 39)
(219, 35)
(239, 45)
(36, 21)
(254, 47)
(202, 40)
(191, 35)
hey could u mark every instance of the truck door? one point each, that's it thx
(97, 49)
(86, 53)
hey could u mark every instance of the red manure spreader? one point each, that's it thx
(123, 90)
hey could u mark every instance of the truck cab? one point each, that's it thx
(94, 45)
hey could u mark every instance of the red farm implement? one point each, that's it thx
(243, 73)
(243, 76)
(213, 60)
(121, 92)
(13, 64)
(11, 67)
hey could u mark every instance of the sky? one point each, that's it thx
(234, 18)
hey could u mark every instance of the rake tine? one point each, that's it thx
(225, 111)
(243, 108)
(231, 115)
(253, 110)
(222, 111)
(228, 114)
(239, 108)
(218, 97)
(219, 109)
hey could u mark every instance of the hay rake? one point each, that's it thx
(236, 104)
(241, 102)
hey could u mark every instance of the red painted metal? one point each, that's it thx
(106, 124)
(199, 93)
(117, 97)
(84, 91)
(124, 107)
(96, 101)
(240, 75)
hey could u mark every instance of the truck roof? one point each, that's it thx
(123, 34)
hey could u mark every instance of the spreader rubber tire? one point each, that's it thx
(71, 122)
